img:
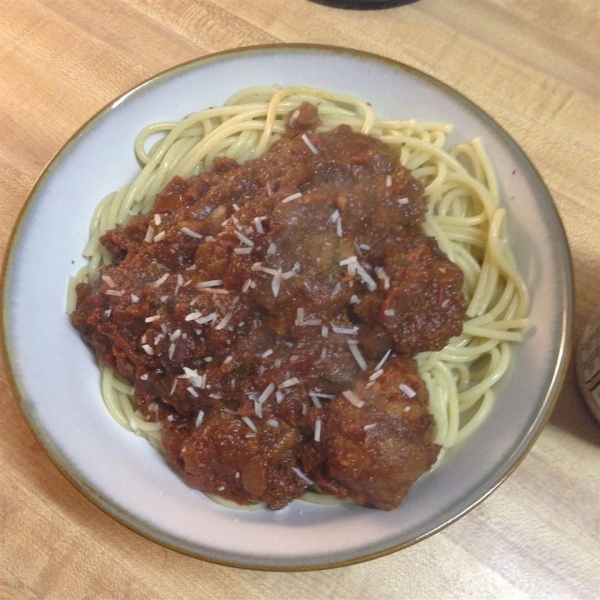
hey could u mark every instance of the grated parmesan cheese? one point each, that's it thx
(193, 316)
(160, 281)
(289, 383)
(258, 409)
(318, 430)
(187, 231)
(407, 390)
(291, 197)
(353, 345)
(276, 283)
(382, 361)
(250, 424)
(309, 144)
(224, 321)
(302, 476)
(376, 375)
(353, 399)
(345, 330)
(312, 322)
(366, 278)
(208, 284)
(243, 239)
(315, 400)
(206, 319)
(347, 261)
(266, 393)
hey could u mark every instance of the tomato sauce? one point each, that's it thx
(269, 313)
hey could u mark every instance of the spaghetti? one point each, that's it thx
(464, 215)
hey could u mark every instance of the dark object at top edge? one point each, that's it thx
(364, 4)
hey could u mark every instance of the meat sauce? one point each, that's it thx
(252, 307)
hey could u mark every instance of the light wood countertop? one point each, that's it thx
(534, 67)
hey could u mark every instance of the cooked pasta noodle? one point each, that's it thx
(464, 215)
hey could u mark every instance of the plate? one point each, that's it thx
(56, 380)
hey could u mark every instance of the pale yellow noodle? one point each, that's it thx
(482, 412)
(463, 216)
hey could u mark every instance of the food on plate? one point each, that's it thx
(304, 298)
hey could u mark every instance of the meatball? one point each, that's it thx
(375, 452)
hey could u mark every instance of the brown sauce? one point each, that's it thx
(239, 327)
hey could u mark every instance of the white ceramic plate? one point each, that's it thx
(56, 379)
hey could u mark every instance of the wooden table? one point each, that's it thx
(533, 66)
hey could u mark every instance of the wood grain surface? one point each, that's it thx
(531, 64)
